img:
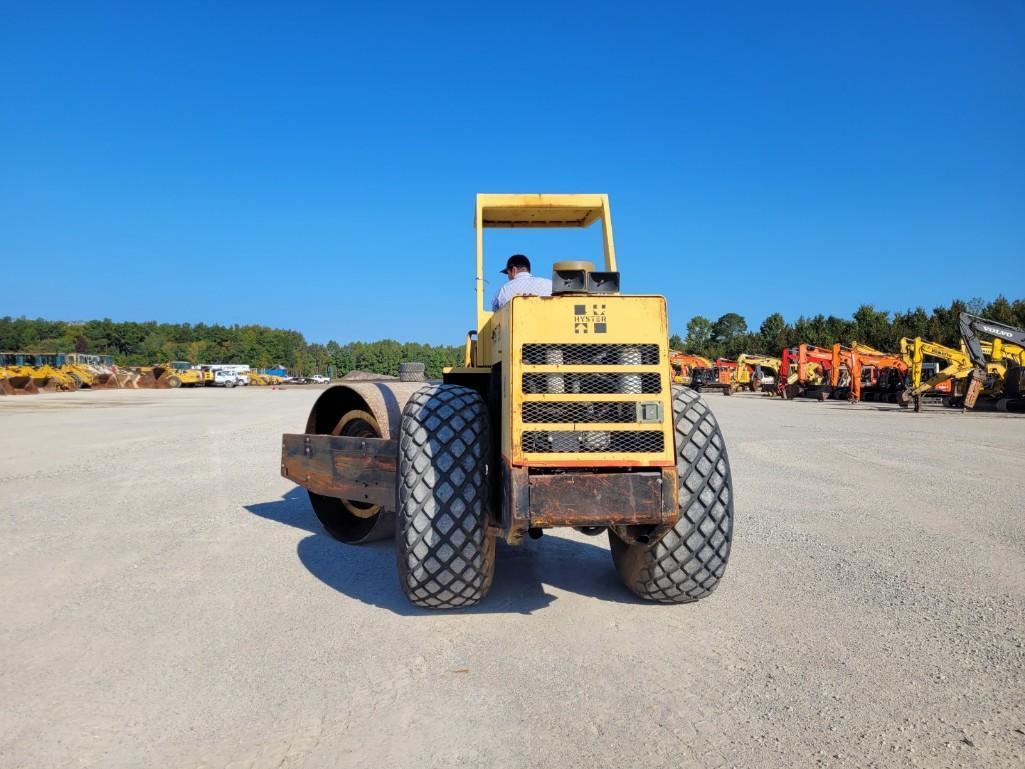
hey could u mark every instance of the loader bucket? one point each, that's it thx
(46, 384)
(104, 380)
(144, 378)
(20, 384)
(163, 377)
(128, 379)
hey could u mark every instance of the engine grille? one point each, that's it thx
(637, 377)
(590, 354)
(624, 412)
(592, 384)
(592, 442)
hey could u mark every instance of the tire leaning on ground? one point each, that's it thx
(687, 563)
(446, 559)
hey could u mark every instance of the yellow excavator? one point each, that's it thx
(1007, 353)
(753, 371)
(1002, 373)
(914, 351)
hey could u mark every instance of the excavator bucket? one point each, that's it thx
(975, 382)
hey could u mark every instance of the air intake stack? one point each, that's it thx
(579, 277)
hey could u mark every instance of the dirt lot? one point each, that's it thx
(170, 601)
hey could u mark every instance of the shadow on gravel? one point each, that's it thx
(368, 572)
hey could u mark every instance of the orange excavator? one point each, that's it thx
(876, 375)
(719, 377)
(684, 364)
(844, 373)
(806, 371)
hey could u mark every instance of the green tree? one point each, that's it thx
(729, 335)
(772, 335)
(699, 335)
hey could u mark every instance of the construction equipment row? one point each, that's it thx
(991, 370)
(29, 373)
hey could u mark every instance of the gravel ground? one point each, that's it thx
(170, 601)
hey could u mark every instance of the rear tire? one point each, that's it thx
(446, 559)
(687, 563)
(174, 382)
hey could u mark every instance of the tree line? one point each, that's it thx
(728, 336)
(133, 343)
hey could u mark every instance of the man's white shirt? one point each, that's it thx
(523, 283)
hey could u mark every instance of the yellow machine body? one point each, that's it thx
(584, 377)
(743, 373)
(562, 382)
(562, 414)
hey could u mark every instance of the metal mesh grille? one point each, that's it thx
(590, 354)
(592, 384)
(591, 441)
(594, 411)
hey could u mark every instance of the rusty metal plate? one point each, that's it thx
(597, 499)
(358, 469)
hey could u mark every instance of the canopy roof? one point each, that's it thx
(538, 210)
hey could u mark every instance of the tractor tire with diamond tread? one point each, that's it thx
(445, 557)
(687, 562)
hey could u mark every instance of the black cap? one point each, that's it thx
(517, 260)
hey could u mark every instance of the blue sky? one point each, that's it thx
(313, 166)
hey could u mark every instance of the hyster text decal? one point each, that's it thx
(589, 319)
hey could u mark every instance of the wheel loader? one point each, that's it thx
(93, 372)
(170, 375)
(562, 415)
(49, 373)
(16, 375)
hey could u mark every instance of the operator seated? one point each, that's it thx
(521, 282)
